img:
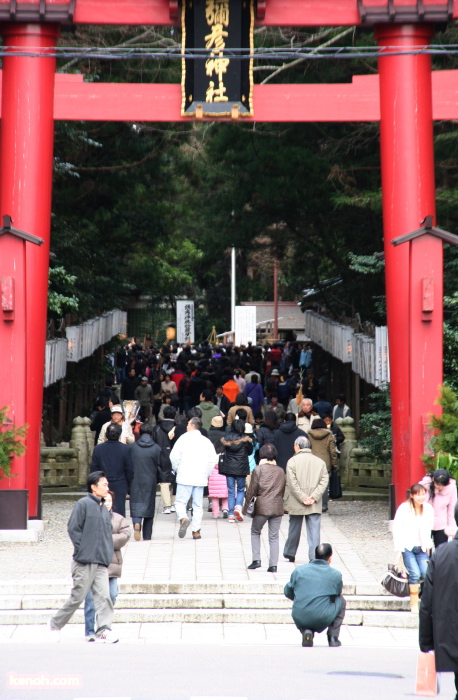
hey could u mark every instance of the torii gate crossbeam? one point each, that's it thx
(29, 107)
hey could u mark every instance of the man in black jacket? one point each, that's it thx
(284, 438)
(161, 434)
(438, 607)
(90, 531)
(221, 401)
(102, 416)
(113, 458)
(128, 386)
(146, 463)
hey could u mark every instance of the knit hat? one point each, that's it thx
(275, 373)
(217, 422)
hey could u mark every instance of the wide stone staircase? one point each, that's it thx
(31, 602)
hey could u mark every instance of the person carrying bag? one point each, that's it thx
(268, 485)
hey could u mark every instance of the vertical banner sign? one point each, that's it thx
(220, 82)
(185, 321)
(245, 325)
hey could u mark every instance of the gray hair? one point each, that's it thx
(302, 442)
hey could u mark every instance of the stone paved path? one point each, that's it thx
(224, 553)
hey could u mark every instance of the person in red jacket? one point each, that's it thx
(231, 389)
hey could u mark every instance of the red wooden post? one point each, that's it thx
(415, 332)
(26, 162)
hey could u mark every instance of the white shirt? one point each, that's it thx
(410, 530)
(193, 459)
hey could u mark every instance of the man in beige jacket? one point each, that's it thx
(306, 481)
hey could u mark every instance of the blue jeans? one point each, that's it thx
(416, 563)
(235, 500)
(89, 607)
(184, 493)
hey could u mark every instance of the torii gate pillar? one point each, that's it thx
(414, 271)
(26, 162)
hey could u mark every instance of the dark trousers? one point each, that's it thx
(145, 412)
(120, 490)
(439, 537)
(147, 526)
(334, 627)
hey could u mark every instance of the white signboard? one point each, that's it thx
(245, 325)
(185, 321)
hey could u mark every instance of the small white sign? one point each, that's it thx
(245, 325)
(185, 321)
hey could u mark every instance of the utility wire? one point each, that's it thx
(332, 52)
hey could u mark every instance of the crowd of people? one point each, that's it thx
(250, 429)
(241, 399)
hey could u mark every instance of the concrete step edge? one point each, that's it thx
(183, 601)
(352, 617)
(62, 587)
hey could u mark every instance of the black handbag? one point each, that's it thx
(396, 582)
(251, 507)
(335, 486)
(252, 504)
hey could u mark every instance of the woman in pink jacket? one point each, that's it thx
(441, 494)
(217, 487)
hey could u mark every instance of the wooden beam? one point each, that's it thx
(357, 101)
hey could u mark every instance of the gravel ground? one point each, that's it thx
(365, 524)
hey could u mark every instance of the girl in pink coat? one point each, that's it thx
(217, 487)
(441, 494)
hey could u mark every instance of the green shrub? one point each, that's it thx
(10, 445)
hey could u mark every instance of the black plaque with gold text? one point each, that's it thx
(218, 83)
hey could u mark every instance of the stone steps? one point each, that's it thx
(30, 602)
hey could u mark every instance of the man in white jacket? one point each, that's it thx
(193, 459)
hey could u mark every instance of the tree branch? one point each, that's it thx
(286, 66)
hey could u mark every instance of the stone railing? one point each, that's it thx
(69, 466)
(356, 469)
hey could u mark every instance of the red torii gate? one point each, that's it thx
(402, 97)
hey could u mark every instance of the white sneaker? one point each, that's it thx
(238, 513)
(173, 509)
(90, 637)
(52, 632)
(106, 636)
(166, 511)
(231, 519)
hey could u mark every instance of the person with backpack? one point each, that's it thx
(163, 435)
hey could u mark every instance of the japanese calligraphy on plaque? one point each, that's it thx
(218, 81)
(185, 321)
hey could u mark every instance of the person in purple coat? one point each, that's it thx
(253, 391)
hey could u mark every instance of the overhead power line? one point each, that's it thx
(281, 54)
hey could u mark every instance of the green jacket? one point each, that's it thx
(209, 411)
(315, 589)
(144, 394)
